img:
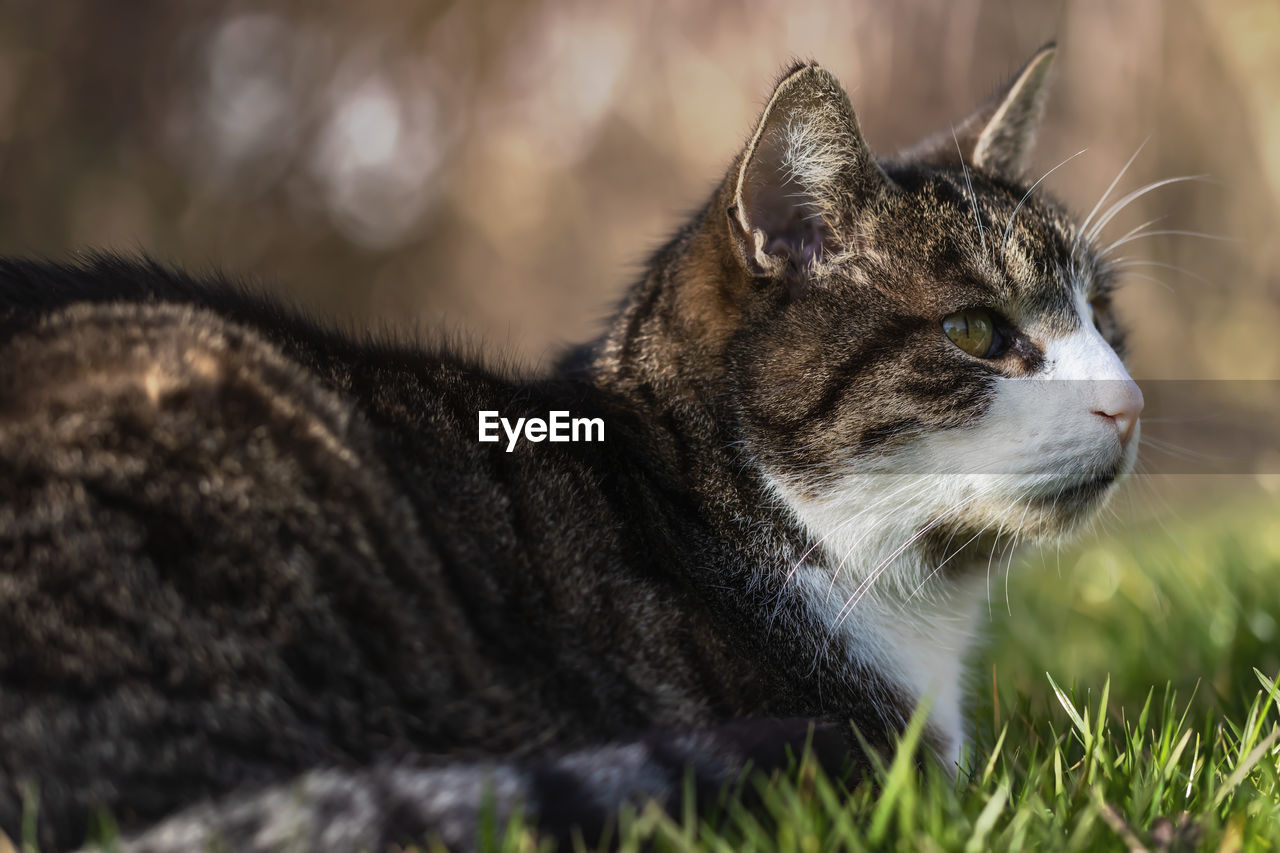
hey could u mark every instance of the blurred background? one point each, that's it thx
(504, 167)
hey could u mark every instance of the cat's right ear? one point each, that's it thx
(800, 178)
(998, 136)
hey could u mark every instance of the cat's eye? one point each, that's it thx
(974, 331)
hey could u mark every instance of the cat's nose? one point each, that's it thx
(1120, 402)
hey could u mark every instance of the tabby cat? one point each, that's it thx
(262, 582)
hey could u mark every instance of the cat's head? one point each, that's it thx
(929, 331)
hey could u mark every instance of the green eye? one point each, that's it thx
(974, 331)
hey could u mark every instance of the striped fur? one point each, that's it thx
(262, 583)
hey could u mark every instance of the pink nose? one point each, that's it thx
(1121, 403)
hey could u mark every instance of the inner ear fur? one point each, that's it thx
(798, 179)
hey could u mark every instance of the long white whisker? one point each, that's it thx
(874, 575)
(1009, 225)
(865, 586)
(858, 541)
(1131, 233)
(1151, 279)
(854, 517)
(836, 574)
(994, 547)
(1173, 232)
(1163, 265)
(837, 529)
(973, 198)
(1013, 547)
(1112, 186)
(947, 559)
(1131, 197)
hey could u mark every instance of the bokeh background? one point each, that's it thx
(503, 168)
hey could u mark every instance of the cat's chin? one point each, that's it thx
(1065, 506)
(1081, 496)
(1045, 512)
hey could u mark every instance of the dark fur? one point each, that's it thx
(292, 557)
(236, 548)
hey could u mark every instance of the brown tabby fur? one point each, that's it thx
(239, 552)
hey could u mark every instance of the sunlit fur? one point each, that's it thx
(279, 566)
(908, 529)
(913, 469)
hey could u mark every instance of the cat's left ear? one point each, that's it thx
(998, 136)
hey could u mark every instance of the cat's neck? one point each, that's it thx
(669, 338)
(859, 576)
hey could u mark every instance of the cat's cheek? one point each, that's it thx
(1039, 460)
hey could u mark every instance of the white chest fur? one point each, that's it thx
(919, 644)
(869, 590)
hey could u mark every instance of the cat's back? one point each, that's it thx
(234, 546)
(174, 359)
(210, 572)
(241, 487)
(167, 405)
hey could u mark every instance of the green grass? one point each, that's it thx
(1135, 708)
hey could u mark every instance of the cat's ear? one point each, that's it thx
(998, 136)
(800, 177)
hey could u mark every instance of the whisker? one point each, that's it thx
(1084, 225)
(860, 513)
(994, 546)
(1177, 451)
(1172, 232)
(1009, 225)
(1151, 279)
(865, 586)
(864, 536)
(1013, 547)
(973, 198)
(947, 559)
(1131, 232)
(853, 546)
(839, 567)
(1131, 197)
(1137, 262)
(1146, 421)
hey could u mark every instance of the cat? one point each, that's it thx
(265, 583)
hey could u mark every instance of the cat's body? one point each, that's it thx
(429, 595)
(237, 548)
